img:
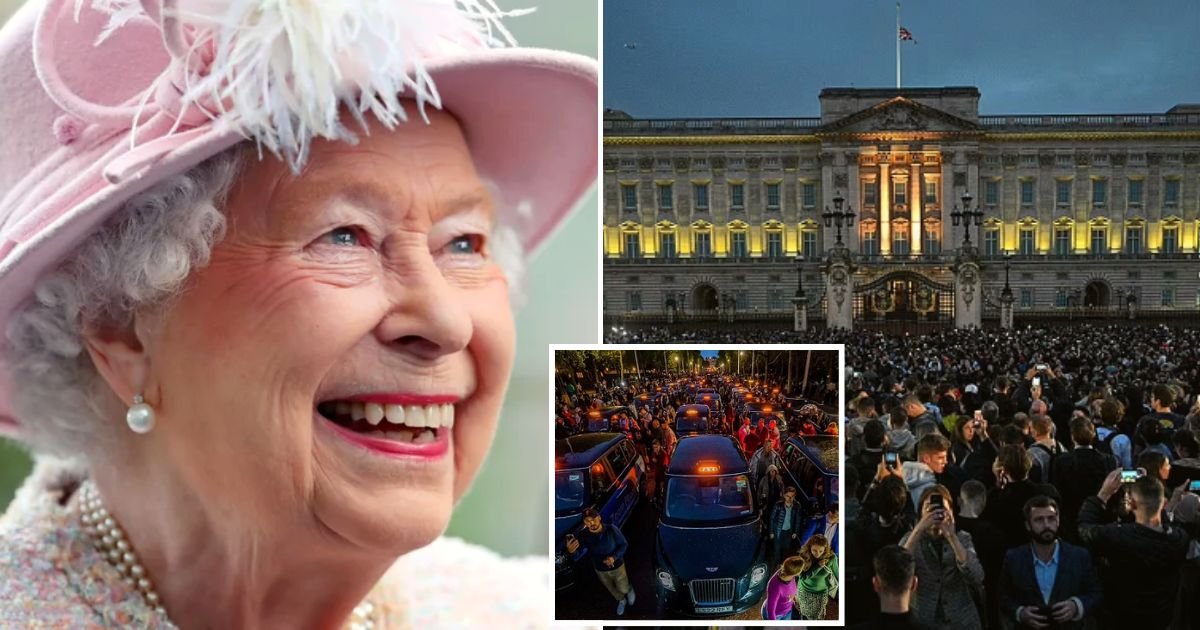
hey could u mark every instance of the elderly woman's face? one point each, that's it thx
(363, 287)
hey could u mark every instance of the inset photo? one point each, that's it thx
(697, 482)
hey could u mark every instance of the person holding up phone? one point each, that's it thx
(606, 547)
(949, 574)
(1066, 590)
(1150, 549)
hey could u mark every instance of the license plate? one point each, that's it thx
(706, 610)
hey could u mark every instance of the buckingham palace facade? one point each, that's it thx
(1091, 214)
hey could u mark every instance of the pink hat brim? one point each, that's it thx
(530, 117)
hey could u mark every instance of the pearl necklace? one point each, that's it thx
(112, 543)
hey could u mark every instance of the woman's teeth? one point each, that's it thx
(416, 424)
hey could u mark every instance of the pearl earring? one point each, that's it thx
(140, 416)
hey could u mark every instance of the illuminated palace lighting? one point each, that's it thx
(714, 216)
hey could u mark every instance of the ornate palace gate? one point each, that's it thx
(903, 300)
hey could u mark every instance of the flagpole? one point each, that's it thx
(897, 45)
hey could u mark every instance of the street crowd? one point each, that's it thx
(800, 540)
(1028, 478)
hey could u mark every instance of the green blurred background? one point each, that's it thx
(507, 509)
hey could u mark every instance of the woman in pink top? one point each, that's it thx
(781, 589)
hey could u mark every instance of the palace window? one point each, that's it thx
(633, 244)
(1099, 192)
(737, 196)
(991, 241)
(1133, 239)
(1099, 240)
(775, 300)
(870, 194)
(629, 197)
(1060, 298)
(1170, 239)
(931, 195)
(1026, 298)
(809, 194)
(808, 244)
(1027, 192)
(1062, 240)
(1171, 192)
(741, 300)
(700, 196)
(931, 239)
(633, 300)
(1062, 192)
(1168, 296)
(1135, 192)
(703, 247)
(900, 240)
(666, 244)
(901, 196)
(774, 243)
(772, 196)
(869, 240)
(737, 244)
(666, 197)
(1025, 242)
(991, 192)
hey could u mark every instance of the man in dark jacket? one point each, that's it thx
(867, 460)
(1005, 506)
(1079, 473)
(1142, 559)
(885, 517)
(895, 581)
(1048, 581)
(787, 523)
(606, 547)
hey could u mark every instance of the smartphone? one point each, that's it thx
(1194, 486)
(1130, 475)
(1041, 367)
(936, 502)
(891, 460)
(1037, 381)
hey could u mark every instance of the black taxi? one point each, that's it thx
(810, 464)
(692, 420)
(597, 470)
(709, 557)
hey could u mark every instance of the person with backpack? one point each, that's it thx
(1109, 439)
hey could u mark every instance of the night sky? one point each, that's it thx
(694, 58)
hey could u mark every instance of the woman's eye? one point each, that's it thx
(343, 236)
(467, 244)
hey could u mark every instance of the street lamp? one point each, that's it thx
(800, 277)
(1007, 293)
(966, 215)
(837, 216)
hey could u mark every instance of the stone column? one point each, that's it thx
(839, 289)
(800, 314)
(885, 210)
(968, 289)
(915, 190)
(1006, 309)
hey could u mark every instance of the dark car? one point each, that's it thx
(709, 555)
(692, 420)
(763, 411)
(597, 470)
(811, 465)
(607, 419)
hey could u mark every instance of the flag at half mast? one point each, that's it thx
(906, 36)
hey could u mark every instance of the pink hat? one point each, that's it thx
(101, 99)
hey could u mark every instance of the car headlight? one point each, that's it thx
(757, 574)
(667, 580)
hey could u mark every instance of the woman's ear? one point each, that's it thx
(119, 357)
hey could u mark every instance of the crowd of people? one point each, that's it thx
(1039, 477)
(800, 540)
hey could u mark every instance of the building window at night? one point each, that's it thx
(700, 193)
(629, 197)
